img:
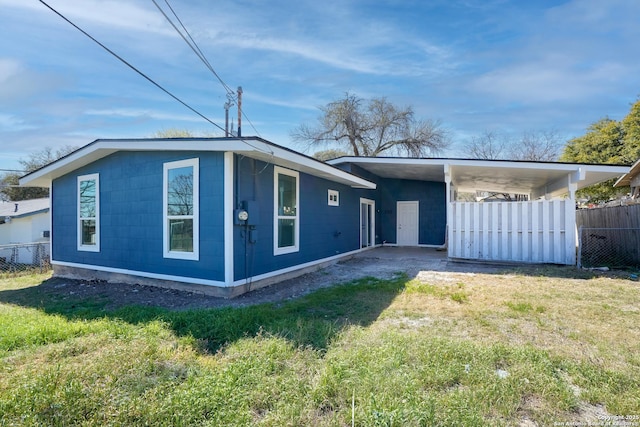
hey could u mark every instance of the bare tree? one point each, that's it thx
(532, 146)
(330, 154)
(180, 197)
(182, 133)
(9, 189)
(374, 128)
(537, 146)
(543, 146)
(489, 145)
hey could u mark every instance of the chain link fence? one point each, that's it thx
(24, 256)
(608, 247)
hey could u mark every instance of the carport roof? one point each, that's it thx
(522, 177)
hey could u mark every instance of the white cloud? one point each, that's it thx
(572, 53)
(143, 114)
(546, 81)
(8, 69)
(11, 123)
(287, 102)
(337, 35)
(111, 13)
(19, 84)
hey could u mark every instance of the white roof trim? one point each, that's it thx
(626, 179)
(251, 147)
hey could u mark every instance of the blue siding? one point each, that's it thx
(131, 215)
(325, 230)
(432, 208)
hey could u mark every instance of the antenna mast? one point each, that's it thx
(227, 106)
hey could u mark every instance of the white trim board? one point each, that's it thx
(193, 280)
(207, 282)
(300, 266)
(228, 217)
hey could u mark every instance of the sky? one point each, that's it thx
(475, 65)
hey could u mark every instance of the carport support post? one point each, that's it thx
(448, 191)
(571, 225)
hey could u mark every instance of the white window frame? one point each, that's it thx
(96, 246)
(335, 200)
(277, 171)
(195, 255)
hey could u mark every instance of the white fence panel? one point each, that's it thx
(541, 231)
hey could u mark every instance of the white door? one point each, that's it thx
(407, 224)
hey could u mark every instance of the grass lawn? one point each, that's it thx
(523, 348)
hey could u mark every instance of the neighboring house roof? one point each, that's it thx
(522, 177)
(23, 208)
(254, 147)
(626, 179)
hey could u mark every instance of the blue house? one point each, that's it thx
(226, 215)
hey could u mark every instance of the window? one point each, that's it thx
(89, 213)
(181, 211)
(286, 225)
(334, 198)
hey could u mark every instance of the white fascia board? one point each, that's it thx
(626, 179)
(247, 146)
(493, 164)
(24, 215)
(44, 176)
(389, 161)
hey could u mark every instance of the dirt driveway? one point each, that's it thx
(383, 263)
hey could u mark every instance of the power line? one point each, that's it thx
(254, 128)
(132, 67)
(196, 49)
(270, 152)
(193, 45)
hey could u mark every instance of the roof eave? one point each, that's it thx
(251, 146)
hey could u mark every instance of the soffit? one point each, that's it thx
(487, 175)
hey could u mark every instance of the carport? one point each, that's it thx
(540, 229)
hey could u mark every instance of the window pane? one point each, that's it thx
(180, 191)
(286, 233)
(286, 195)
(88, 232)
(181, 235)
(88, 199)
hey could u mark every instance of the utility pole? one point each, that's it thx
(239, 111)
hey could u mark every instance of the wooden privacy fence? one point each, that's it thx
(540, 231)
(611, 217)
(609, 237)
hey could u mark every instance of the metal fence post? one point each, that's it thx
(14, 257)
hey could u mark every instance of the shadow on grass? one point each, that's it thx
(312, 320)
(540, 270)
